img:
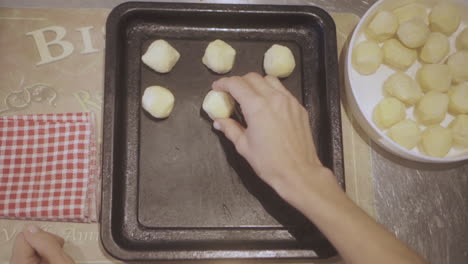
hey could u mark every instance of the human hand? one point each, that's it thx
(277, 141)
(35, 246)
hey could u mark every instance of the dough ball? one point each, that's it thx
(435, 77)
(445, 18)
(398, 56)
(432, 108)
(458, 103)
(219, 56)
(437, 47)
(279, 61)
(383, 26)
(459, 127)
(405, 133)
(410, 11)
(158, 101)
(160, 56)
(413, 33)
(458, 63)
(404, 88)
(436, 141)
(462, 40)
(367, 57)
(389, 112)
(218, 104)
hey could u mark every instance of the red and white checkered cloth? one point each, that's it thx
(48, 167)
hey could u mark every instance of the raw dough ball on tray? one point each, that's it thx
(158, 101)
(437, 47)
(436, 141)
(219, 56)
(432, 108)
(389, 112)
(218, 104)
(401, 86)
(367, 57)
(383, 26)
(398, 56)
(279, 61)
(160, 56)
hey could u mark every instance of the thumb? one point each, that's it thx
(22, 251)
(47, 245)
(232, 130)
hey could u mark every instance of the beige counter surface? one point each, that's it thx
(427, 208)
(75, 83)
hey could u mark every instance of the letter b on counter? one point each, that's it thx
(43, 45)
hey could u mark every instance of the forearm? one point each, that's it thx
(277, 143)
(356, 236)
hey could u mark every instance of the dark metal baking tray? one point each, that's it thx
(177, 189)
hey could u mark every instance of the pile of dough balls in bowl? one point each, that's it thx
(407, 78)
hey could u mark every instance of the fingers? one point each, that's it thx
(257, 82)
(47, 245)
(249, 86)
(276, 84)
(237, 87)
(22, 251)
(232, 130)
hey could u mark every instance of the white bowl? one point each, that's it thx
(365, 92)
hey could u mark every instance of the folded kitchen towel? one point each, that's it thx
(48, 167)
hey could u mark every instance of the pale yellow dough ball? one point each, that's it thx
(389, 112)
(432, 108)
(445, 17)
(413, 33)
(462, 40)
(279, 61)
(458, 103)
(410, 11)
(398, 56)
(406, 133)
(437, 47)
(401, 86)
(161, 56)
(436, 141)
(218, 104)
(158, 101)
(367, 57)
(435, 77)
(458, 64)
(459, 127)
(383, 26)
(219, 56)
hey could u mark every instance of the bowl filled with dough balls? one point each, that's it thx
(407, 78)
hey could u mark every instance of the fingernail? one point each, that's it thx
(33, 228)
(216, 125)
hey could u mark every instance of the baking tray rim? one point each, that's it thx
(112, 27)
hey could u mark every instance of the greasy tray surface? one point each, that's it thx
(176, 189)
